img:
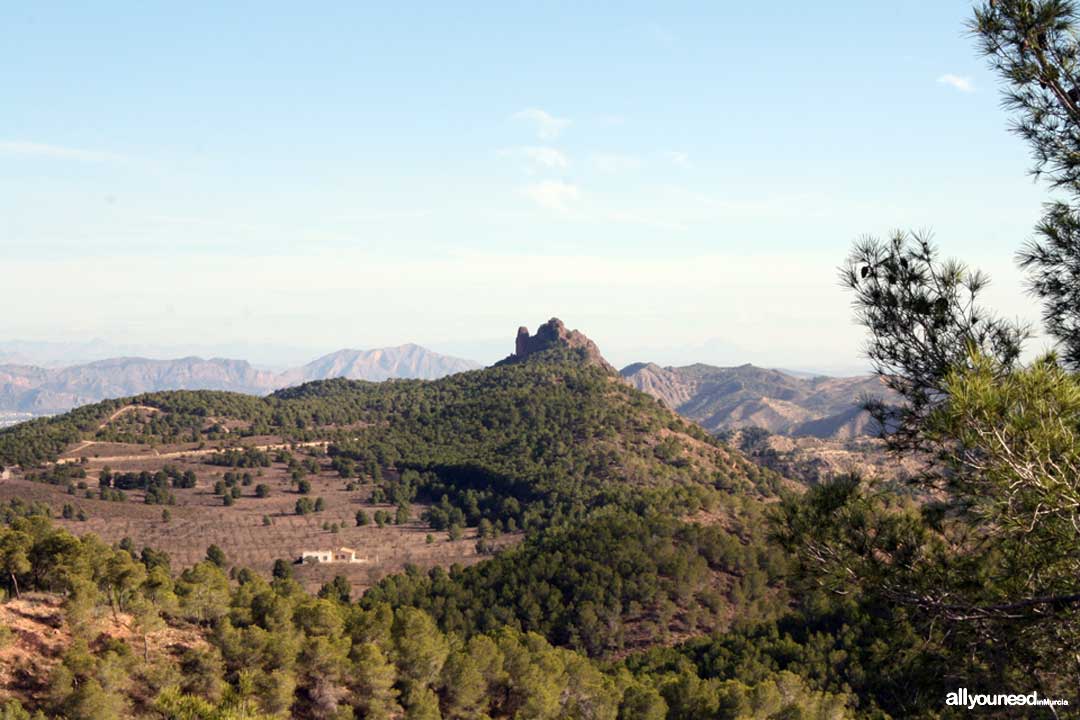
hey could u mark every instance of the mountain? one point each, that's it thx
(551, 439)
(553, 342)
(538, 504)
(42, 391)
(845, 425)
(727, 398)
(404, 361)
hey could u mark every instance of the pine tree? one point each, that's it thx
(420, 648)
(373, 680)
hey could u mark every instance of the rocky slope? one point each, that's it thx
(727, 398)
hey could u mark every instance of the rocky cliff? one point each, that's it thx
(553, 342)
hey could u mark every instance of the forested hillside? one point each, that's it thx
(639, 529)
(546, 538)
(127, 639)
(627, 564)
(569, 426)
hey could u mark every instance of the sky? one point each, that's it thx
(680, 181)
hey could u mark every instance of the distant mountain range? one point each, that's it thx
(730, 398)
(717, 398)
(32, 389)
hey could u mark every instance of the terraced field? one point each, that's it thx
(254, 531)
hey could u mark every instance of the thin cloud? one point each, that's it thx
(539, 155)
(553, 195)
(34, 149)
(548, 127)
(958, 82)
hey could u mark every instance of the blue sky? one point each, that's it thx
(678, 180)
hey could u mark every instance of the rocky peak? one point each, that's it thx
(521, 345)
(553, 341)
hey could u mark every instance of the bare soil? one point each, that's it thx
(200, 519)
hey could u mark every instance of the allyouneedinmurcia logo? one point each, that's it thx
(963, 698)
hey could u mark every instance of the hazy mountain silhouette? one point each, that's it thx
(29, 388)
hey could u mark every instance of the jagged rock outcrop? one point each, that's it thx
(553, 342)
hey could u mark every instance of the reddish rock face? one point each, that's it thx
(522, 344)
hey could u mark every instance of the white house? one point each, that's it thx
(340, 555)
(344, 554)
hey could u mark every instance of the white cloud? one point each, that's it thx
(553, 195)
(22, 147)
(547, 125)
(539, 155)
(963, 84)
(614, 163)
(680, 159)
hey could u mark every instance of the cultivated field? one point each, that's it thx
(199, 518)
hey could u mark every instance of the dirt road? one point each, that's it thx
(184, 453)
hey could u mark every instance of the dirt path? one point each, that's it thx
(72, 457)
(187, 453)
(102, 425)
(126, 409)
(80, 446)
(154, 453)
